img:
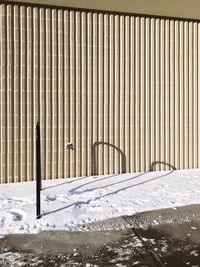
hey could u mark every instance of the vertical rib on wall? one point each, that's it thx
(122, 89)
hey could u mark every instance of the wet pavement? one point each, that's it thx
(174, 244)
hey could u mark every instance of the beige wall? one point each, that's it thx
(173, 8)
(122, 89)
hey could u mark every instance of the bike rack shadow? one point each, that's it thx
(153, 165)
(94, 170)
(122, 188)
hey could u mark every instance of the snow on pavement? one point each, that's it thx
(68, 203)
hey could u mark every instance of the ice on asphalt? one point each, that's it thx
(70, 203)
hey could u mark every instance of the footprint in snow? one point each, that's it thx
(18, 215)
(22, 200)
(11, 216)
(63, 198)
(50, 198)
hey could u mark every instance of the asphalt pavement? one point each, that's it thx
(169, 237)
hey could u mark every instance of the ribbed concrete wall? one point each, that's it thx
(122, 89)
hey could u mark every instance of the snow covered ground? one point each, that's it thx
(69, 203)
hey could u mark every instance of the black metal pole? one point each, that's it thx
(38, 173)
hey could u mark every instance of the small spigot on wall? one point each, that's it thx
(70, 146)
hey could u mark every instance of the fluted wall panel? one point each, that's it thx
(123, 90)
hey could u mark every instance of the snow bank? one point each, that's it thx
(69, 203)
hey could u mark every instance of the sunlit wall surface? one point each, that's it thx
(122, 89)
